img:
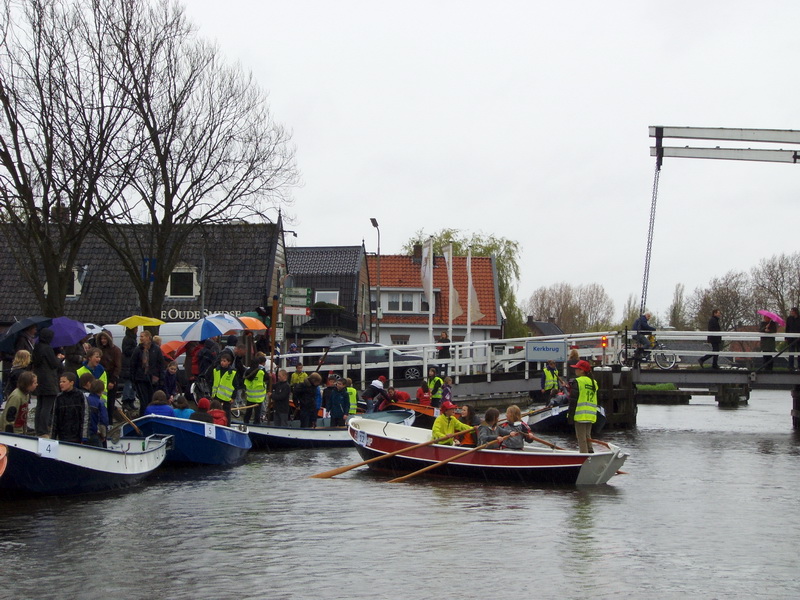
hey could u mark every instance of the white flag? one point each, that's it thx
(426, 270)
(454, 310)
(474, 310)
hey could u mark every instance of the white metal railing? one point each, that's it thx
(488, 357)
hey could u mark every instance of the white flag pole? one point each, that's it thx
(469, 294)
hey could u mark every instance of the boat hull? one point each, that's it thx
(554, 420)
(38, 466)
(267, 437)
(196, 441)
(530, 466)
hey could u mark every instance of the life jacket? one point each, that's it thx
(255, 390)
(223, 384)
(103, 377)
(586, 410)
(550, 379)
(353, 393)
(432, 383)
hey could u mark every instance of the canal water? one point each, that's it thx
(707, 509)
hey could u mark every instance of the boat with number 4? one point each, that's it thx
(268, 437)
(40, 466)
(532, 465)
(197, 441)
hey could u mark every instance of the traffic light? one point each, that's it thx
(604, 341)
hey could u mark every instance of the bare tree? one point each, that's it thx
(732, 294)
(210, 150)
(61, 168)
(574, 309)
(677, 314)
(776, 282)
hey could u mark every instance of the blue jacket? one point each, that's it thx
(641, 324)
(97, 413)
(339, 403)
(159, 409)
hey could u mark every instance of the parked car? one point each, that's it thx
(406, 366)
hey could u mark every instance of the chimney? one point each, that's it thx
(417, 256)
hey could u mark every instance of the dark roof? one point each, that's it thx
(239, 260)
(544, 327)
(329, 268)
(324, 260)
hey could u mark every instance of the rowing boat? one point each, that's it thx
(533, 465)
(196, 441)
(270, 437)
(42, 466)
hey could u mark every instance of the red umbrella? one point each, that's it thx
(174, 348)
(773, 316)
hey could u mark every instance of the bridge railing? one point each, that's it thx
(493, 357)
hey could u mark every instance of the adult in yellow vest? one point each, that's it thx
(435, 384)
(255, 389)
(550, 380)
(223, 384)
(583, 404)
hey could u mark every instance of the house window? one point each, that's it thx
(400, 340)
(74, 283)
(183, 283)
(403, 302)
(329, 296)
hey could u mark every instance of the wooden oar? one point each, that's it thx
(447, 460)
(124, 416)
(546, 443)
(240, 408)
(340, 470)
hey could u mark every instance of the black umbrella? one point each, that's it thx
(9, 340)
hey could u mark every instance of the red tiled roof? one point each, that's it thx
(401, 271)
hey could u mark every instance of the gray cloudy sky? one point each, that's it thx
(530, 120)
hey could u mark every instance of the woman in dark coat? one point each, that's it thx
(793, 326)
(147, 369)
(768, 343)
(47, 367)
(111, 359)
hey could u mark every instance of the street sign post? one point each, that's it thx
(301, 311)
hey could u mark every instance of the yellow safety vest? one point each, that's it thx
(223, 384)
(353, 393)
(255, 390)
(432, 382)
(550, 379)
(103, 378)
(586, 411)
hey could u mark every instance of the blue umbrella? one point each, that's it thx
(211, 326)
(67, 332)
(9, 340)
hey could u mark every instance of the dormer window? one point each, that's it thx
(183, 282)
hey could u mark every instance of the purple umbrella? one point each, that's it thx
(67, 332)
(773, 316)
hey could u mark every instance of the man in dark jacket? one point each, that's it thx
(128, 346)
(793, 343)
(46, 366)
(714, 340)
(305, 399)
(147, 369)
(111, 360)
(71, 413)
(280, 399)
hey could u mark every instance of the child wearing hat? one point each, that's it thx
(447, 423)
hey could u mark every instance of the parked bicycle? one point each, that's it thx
(633, 354)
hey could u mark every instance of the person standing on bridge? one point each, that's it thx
(714, 340)
(768, 343)
(793, 326)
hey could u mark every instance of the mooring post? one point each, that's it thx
(796, 407)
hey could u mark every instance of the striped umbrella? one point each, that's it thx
(211, 326)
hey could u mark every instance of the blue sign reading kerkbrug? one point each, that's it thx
(544, 351)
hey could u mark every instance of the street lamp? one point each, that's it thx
(378, 285)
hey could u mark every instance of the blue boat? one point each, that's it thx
(196, 441)
(41, 466)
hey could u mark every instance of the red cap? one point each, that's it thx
(447, 405)
(382, 379)
(203, 404)
(582, 365)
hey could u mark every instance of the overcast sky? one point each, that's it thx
(529, 120)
